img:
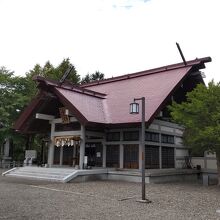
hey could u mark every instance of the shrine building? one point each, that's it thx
(94, 119)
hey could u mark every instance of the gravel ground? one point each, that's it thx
(26, 199)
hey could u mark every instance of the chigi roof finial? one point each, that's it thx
(181, 53)
(66, 74)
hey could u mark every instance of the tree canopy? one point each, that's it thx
(200, 115)
(56, 73)
(51, 72)
(92, 77)
(15, 93)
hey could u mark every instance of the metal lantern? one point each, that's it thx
(134, 108)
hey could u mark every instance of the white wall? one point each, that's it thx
(209, 163)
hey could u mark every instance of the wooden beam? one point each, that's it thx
(95, 134)
(44, 116)
(59, 120)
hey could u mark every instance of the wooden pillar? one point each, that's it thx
(160, 152)
(160, 148)
(104, 155)
(74, 154)
(82, 146)
(61, 155)
(121, 152)
(51, 154)
(51, 147)
(121, 165)
(140, 151)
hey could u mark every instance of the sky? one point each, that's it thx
(114, 37)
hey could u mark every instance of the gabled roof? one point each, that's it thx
(107, 102)
(87, 108)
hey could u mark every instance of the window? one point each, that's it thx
(131, 135)
(113, 136)
(131, 156)
(151, 136)
(168, 157)
(168, 139)
(152, 160)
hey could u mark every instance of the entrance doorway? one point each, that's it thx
(112, 156)
(131, 156)
(70, 155)
(56, 159)
(94, 152)
(67, 155)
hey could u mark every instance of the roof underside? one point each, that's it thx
(107, 102)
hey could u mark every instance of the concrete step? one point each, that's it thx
(36, 177)
(56, 175)
(51, 174)
(44, 172)
(42, 169)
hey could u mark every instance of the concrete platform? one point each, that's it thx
(151, 176)
(155, 175)
(69, 174)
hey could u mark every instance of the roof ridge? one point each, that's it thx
(148, 72)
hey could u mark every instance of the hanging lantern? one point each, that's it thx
(58, 143)
(71, 142)
(62, 142)
(68, 142)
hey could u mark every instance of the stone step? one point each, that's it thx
(36, 177)
(42, 171)
(55, 175)
(51, 174)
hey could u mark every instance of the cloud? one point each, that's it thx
(127, 4)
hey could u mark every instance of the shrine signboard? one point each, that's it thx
(65, 118)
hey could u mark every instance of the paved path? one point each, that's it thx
(25, 199)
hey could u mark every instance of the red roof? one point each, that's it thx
(90, 107)
(107, 101)
(154, 87)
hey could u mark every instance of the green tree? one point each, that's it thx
(14, 95)
(93, 77)
(56, 73)
(200, 115)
